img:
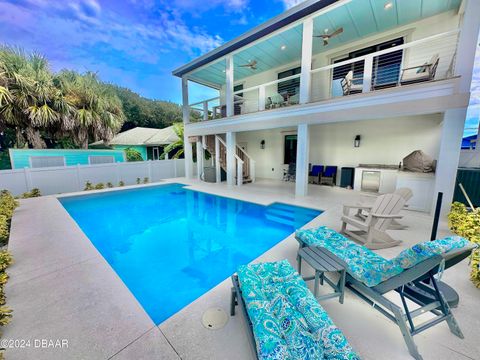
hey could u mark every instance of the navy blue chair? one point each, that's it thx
(315, 174)
(329, 176)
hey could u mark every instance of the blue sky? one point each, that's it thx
(137, 43)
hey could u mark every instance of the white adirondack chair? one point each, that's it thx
(371, 230)
(369, 200)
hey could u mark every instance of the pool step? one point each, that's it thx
(288, 215)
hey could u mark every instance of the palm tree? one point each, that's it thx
(29, 100)
(177, 145)
(97, 113)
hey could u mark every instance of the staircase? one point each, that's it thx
(244, 164)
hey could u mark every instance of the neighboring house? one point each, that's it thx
(148, 142)
(37, 158)
(300, 88)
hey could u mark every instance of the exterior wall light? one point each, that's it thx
(262, 144)
(356, 142)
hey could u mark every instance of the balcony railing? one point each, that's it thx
(419, 61)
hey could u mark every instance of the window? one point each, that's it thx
(46, 161)
(290, 150)
(100, 159)
(386, 68)
(292, 86)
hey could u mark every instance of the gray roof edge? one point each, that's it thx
(291, 15)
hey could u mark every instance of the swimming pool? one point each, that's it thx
(170, 245)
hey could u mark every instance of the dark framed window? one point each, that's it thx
(292, 86)
(290, 149)
(386, 68)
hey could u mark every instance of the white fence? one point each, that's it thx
(56, 180)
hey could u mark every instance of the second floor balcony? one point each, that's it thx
(349, 50)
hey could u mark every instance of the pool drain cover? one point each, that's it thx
(214, 318)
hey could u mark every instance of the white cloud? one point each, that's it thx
(291, 3)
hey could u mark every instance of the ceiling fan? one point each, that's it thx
(326, 37)
(252, 65)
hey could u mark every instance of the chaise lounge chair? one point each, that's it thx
(371, 277)
(372, 228)
(284, 319)
(420, 73)
(315, 174)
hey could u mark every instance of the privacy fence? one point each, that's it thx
(56, 180)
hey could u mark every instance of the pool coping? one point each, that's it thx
(25, 272)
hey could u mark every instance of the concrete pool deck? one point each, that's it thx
(60, 287)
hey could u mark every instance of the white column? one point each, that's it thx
(200, 157)
(218, 168)
(261, 98)
(185, 107)
(367, 74)
(301, 177)
(305, 75)
(467, 44)
(448, 156)
(188, 153)
(229, 85)
(205, 110)
(231, 167)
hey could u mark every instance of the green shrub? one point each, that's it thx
(99, 186)
(35, 192)
(89, 186)
(133, 155)
(467, 224)
(145, 180)
(109, 185)
(139, 180)
(5, 312)
(4, 229)
(121, 183)
(7, 204)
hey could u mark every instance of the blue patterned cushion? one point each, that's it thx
(369, 267)
(287, 320)
(363, 264)
(422, 251)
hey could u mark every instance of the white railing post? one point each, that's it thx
(28, 178)
(77, 173)
(261, 98)
(239, 171)
(218, 169)
(200, 157)
(230, 148)
(205, 111)
(367, 74)
(306, 67)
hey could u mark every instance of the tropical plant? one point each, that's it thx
(109, 185)
(467, 224)
(35, 192)
(139, 181)
(97, 111)
(145, 180)
(133, 155)
(88, 186)
(121, 183)
(100, 186)
(178, 145)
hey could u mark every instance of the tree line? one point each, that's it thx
(67, 109)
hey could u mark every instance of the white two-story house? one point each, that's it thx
(348, 84)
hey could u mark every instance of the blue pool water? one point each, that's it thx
(170, 245)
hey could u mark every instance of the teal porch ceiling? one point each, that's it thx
(359, 19)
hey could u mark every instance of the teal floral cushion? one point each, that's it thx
(422, 251)
(363, 264)
(369, 267)
(287, 320)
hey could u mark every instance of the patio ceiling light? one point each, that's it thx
(283, 47)
(388, 5)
